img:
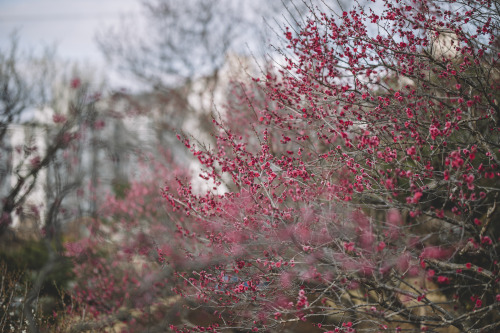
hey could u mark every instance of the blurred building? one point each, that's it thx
(112, 136)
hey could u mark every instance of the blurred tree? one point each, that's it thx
(182, 52)
(45, 111)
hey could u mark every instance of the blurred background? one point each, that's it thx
(68, 26)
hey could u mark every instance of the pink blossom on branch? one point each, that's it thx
(362, 173)
(364, 118)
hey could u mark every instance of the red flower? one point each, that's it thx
(443, 279)
(75, 83)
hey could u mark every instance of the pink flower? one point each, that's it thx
(443, 279)
(411, 151)
(58, 118)
(75, 83)
(433, 252)
(416, 197)
(35, 161)
(349, 246)
(486, 240)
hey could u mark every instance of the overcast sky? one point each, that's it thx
(72, 25)
(69, 24)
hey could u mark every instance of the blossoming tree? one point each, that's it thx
(356, 185)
